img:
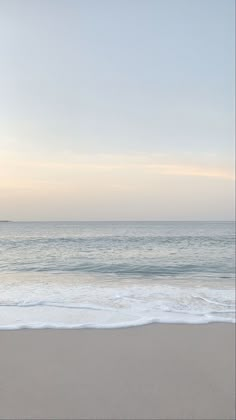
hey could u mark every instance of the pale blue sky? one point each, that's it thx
(117, 80)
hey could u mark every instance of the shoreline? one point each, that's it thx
(109, 328)
(156, 371)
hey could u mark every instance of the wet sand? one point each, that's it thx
(152, 372)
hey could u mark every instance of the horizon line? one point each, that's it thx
(118, 221)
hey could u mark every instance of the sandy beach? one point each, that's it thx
(151, 372)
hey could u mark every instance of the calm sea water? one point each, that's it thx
(114, 274)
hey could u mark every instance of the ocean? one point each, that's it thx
(115, 274)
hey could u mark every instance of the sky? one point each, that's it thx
(117, 110)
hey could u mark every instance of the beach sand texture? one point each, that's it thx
(151, 372)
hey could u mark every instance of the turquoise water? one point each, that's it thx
(113, 274)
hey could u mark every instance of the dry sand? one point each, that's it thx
(152, 372)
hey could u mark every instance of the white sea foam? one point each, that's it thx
(66, 301)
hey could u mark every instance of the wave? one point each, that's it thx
(145, 238)
(49, 314)
(115, 325)
(149, 270)
(56, 305)
(24, 304)
(213, 302)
